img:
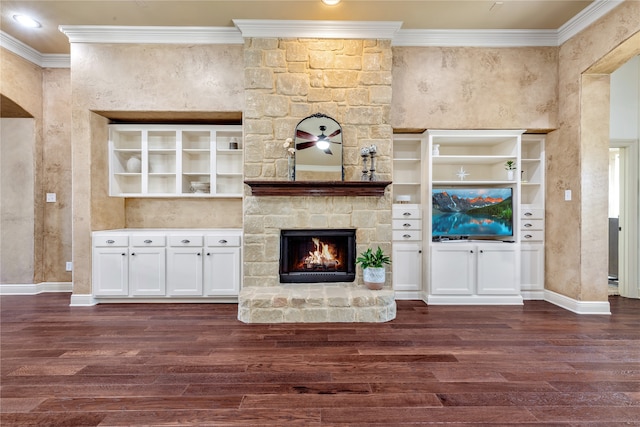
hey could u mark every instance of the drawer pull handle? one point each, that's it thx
(407, 214)
(406, 224)
(148, 241)
(110, 241)
(222, 241)
(186, 241)
(528, 214)
(406, 236)
(528, 236)
(528, 225)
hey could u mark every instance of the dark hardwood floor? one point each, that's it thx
(195, 364)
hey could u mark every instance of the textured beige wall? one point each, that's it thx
(21, 81)
(56, 173)
(474, 88)
(576, 235)
(17, 146)
(140, 78)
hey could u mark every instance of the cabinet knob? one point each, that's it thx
(471, 251)
(198, 253)
(110, 241)
(420, 252)
(148, 241)
(481, 251)
(133, 253)
(406, 236)
(528, 225)
(406, 224)
(528, 214)
(222, 241)
(407, 214)
(208, 253)
(123, 254)
(186, 241)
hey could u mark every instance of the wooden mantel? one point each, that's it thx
(318, 188)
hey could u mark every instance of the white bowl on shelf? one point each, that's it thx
(200, 187)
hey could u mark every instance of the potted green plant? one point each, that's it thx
(510, 167)
(373, 270)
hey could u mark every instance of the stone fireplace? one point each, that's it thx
(287, 80)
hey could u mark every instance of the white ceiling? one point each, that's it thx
(414, 14)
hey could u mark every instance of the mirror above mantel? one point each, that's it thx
(318, 149)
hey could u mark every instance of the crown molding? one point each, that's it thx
(32, 55)
(586, 17)
(268, 28)
(151, 34)
(310, 29)
(476, 38)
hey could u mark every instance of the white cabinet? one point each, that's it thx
(407, 250)
(221, 251)
(110, 265)
(175, 161)
(164, 264)
(184, 265)
(474, 273)
(532, 220)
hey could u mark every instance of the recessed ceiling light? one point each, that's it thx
(27, 21)
(331, 2)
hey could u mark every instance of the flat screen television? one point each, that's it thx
(468, 212)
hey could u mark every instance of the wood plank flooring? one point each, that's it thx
(196, 365)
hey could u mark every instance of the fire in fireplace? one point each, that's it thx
(308, 256)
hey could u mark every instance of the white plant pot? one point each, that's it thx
(511, 175)
(374, 277)
(134, 165)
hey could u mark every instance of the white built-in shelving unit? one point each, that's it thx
(175, 160)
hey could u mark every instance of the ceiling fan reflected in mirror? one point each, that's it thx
(318, 131)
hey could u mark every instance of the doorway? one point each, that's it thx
(623, 218)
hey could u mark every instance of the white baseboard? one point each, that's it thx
(35, 288)
(578, 307)
(532, 295)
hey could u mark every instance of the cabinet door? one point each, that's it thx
(222, 271)
(407, 266)
(184, 272)
(452, 269)
(532, 266)
(498, 269)
(147, 271)
(110, 271)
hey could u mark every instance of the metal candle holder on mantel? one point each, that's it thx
(368, 174)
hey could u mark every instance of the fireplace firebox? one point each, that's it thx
(317, 256)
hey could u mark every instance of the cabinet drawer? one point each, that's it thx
(406, 235)
(531, 235)
(186, 240)
(532, 214)
(148, 240)
(110, 240)
(532, 224)
(407, 224)
(223, 240)
(406, 212)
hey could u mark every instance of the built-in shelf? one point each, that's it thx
(318, 188)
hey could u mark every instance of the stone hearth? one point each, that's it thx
(315, 303)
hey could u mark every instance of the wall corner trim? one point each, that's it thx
(32, 55)
(82, 300)
(578, 307)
